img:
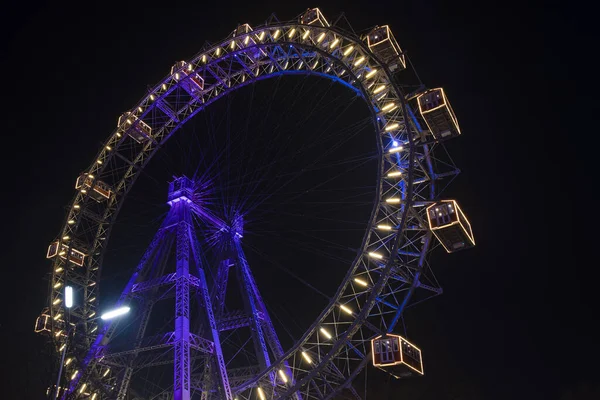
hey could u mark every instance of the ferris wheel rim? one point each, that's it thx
(366, 97)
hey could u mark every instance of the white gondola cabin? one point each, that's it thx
(100, 192)
(438, 114)
(449, 224)
(383, 44)
(396, 355)
(182, 70)
(313, 16)
(77, 257)
(134, 127)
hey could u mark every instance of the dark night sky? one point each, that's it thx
(517, 317)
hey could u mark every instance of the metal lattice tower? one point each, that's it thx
(151, 283)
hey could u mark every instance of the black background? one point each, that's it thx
(517, 319)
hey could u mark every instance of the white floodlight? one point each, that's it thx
(68, 296)
(115, 313)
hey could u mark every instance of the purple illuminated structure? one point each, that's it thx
(150, 282)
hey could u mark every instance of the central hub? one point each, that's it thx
(236, 228)
(181, 189)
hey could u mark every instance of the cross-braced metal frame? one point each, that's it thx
(390, 267)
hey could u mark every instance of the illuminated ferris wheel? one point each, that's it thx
(211, 348)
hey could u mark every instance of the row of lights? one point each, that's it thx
(307, 358)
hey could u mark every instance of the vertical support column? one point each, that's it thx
(224, 388)
(181, 362)
(106, 332)
(220, 288)
(266, 323)
(249, 288)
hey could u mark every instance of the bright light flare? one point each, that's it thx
(68, 296)
(359, 61)
(361, 282)
(261, 394)
(325, 333)
(388, 107)
(306, 357)
(379, 89)
(115, 313)
(348, 50)
(282, 375)
(391, 127)
(370, 74)
(346, 309)
(376, 255)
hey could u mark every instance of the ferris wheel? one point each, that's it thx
(203, 242)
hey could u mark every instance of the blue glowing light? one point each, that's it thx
(395, 143)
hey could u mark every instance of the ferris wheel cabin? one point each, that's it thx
(242, 30)
(313, 16)
(438, 114)
(57, 248)
(449, 224)
(43, 323)
(134, 127)
(383, 44)
(98, 191)
(181, 70)
(396, 355)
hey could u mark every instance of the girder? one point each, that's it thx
(163, 280)
(233, 320)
